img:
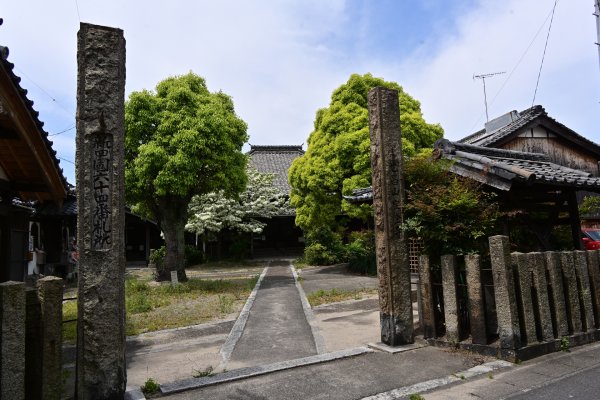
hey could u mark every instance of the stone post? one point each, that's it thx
(476, 304)
(426, 294)
(583, 284)
(393, 268)
(12, 340)
(50, 293)
(540, 284)
(567, 261)
(450, 299)
(101, 370)
(504, 289)
(594, 271)
(524, 264)
(558, 293)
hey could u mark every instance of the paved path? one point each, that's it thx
(276, 329)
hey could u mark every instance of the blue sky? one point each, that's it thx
(280, 60)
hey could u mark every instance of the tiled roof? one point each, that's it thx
(9, 67)
(516, 121)
(275, 160)
(501, 169)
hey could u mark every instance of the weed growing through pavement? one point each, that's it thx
(150, 386)
(203, 373)
(416, 396)
(565, 343)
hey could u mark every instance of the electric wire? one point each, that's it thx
(510, 74)
(543, 54)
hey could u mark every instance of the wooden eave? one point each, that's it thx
(24, 153)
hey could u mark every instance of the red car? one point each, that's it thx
(591, 238)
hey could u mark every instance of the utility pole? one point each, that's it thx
(482, 77)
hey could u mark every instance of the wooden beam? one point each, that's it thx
(575, 221)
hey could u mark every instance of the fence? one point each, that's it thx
(515, 306)
(31, 340)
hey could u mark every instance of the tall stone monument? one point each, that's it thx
(101, 370)
(393, 268)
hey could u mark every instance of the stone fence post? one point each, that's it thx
(12, 340)
(504, 288)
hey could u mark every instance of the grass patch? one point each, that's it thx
(151, 306)
(69, 314)
(334, 295)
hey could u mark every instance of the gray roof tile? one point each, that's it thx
(275, 160)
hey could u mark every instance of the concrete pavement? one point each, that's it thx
(277, 329)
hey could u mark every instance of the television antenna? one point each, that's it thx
(482, 77)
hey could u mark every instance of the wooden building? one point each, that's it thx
(533, 131)
(280, 235)
(29, 171)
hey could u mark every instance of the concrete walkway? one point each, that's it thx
(276, 329)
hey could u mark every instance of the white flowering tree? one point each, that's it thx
(213, 212)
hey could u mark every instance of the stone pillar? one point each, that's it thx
(476, 304)
(558, 293)
(543, 301)
(450, 300)
(393, 267)
(12, 340)
(583, 285)
(594, 271)
(50, 294)
(524, 265)
(101, 370)
(504, 289)
(427, 310)
(567, 262)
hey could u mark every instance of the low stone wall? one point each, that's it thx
(31, 340)
(533, 304)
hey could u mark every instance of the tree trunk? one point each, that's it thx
(173, 218)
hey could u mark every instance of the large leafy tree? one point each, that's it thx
(338, 156)
(181, 140)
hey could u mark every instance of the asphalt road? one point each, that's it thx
(582, 385)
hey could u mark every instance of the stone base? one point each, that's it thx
(524, 353)
(393, 350)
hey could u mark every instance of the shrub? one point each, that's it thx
(239, 248)
(317, 254)
(361, 254)
(157, 256)
(150, 386)
(324, 247)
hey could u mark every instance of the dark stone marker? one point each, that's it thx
(543, 301)
(567, 262)
(558, 293)
(393, 268)
(101, 370)
(476, 305)
(12, 340)
(450, 300)
(583, 284)
(504, 289)
(594, 271)
(524, 264)
(426, 295)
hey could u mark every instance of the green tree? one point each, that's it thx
(181, 140)
(338, 158)
(452, 214)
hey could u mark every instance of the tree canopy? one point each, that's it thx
(338, 156)
(181, 141)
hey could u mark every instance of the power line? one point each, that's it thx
(77, 7)
(544, 54)
(510, 74)
(64, 159)
(63, 131)
(21, 72)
